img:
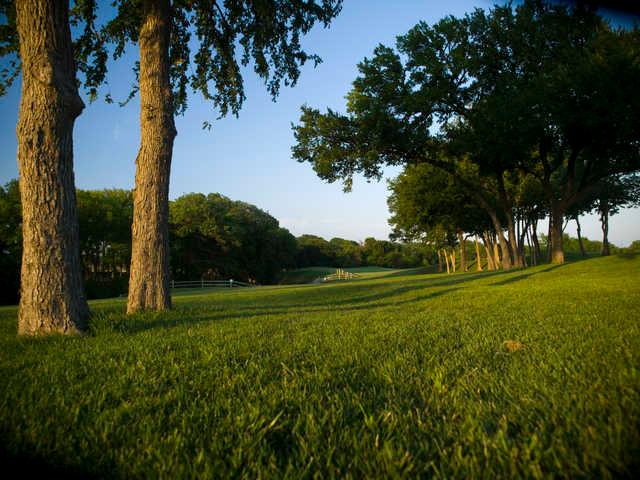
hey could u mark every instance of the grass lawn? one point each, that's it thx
(394, 375)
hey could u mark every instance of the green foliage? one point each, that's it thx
(211, 41)
(314, 251)
(395, 376)
(105, 218)
(387, 254)
(215, 237)
(9, 46)
(634, 247)
(10, 242)
(428, 203)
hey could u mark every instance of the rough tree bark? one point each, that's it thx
(51, 296)
(149, 277)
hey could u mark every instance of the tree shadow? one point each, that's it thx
(133, 325)
(524, 276)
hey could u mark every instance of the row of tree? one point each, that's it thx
(200, 45)
(500, 119)
(429, 205)
(212, 237)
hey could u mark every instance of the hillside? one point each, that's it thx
(508, 374)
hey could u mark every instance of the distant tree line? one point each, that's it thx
(211, 237)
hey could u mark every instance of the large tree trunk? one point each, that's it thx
(580, 242)
(51, 296)
(604, 220)
(149, 277)
(555, 235)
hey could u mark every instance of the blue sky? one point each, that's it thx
(248, 158)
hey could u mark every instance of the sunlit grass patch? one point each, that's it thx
(501, 374)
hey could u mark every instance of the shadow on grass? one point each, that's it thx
(524, 276)
(32, 465)
(350, 297)
(413, 271)
(353, 293)
(137, 324)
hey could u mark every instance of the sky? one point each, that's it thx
(249, 158)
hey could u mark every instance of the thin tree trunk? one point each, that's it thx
(51, 296)
(555, 227)
(604, 221)
(534, 239)
(549, 239)
(478, 256)
(580, 242)
(453, 259)
(504, 246)
(149, 277)
(439, 260)
(496, 255)
(463, 259)
(491, 265)
(532, 251)
(446, 260)
(514, 251)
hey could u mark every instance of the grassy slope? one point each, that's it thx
(389, 376)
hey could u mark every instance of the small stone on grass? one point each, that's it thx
(513, 345)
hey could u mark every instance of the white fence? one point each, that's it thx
(209, 284)
(340, 275)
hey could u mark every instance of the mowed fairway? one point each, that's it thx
(394, 375)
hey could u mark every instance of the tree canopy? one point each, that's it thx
(534, 96)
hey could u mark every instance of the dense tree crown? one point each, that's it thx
(228, 34)
(531, 109)
(210, 42)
